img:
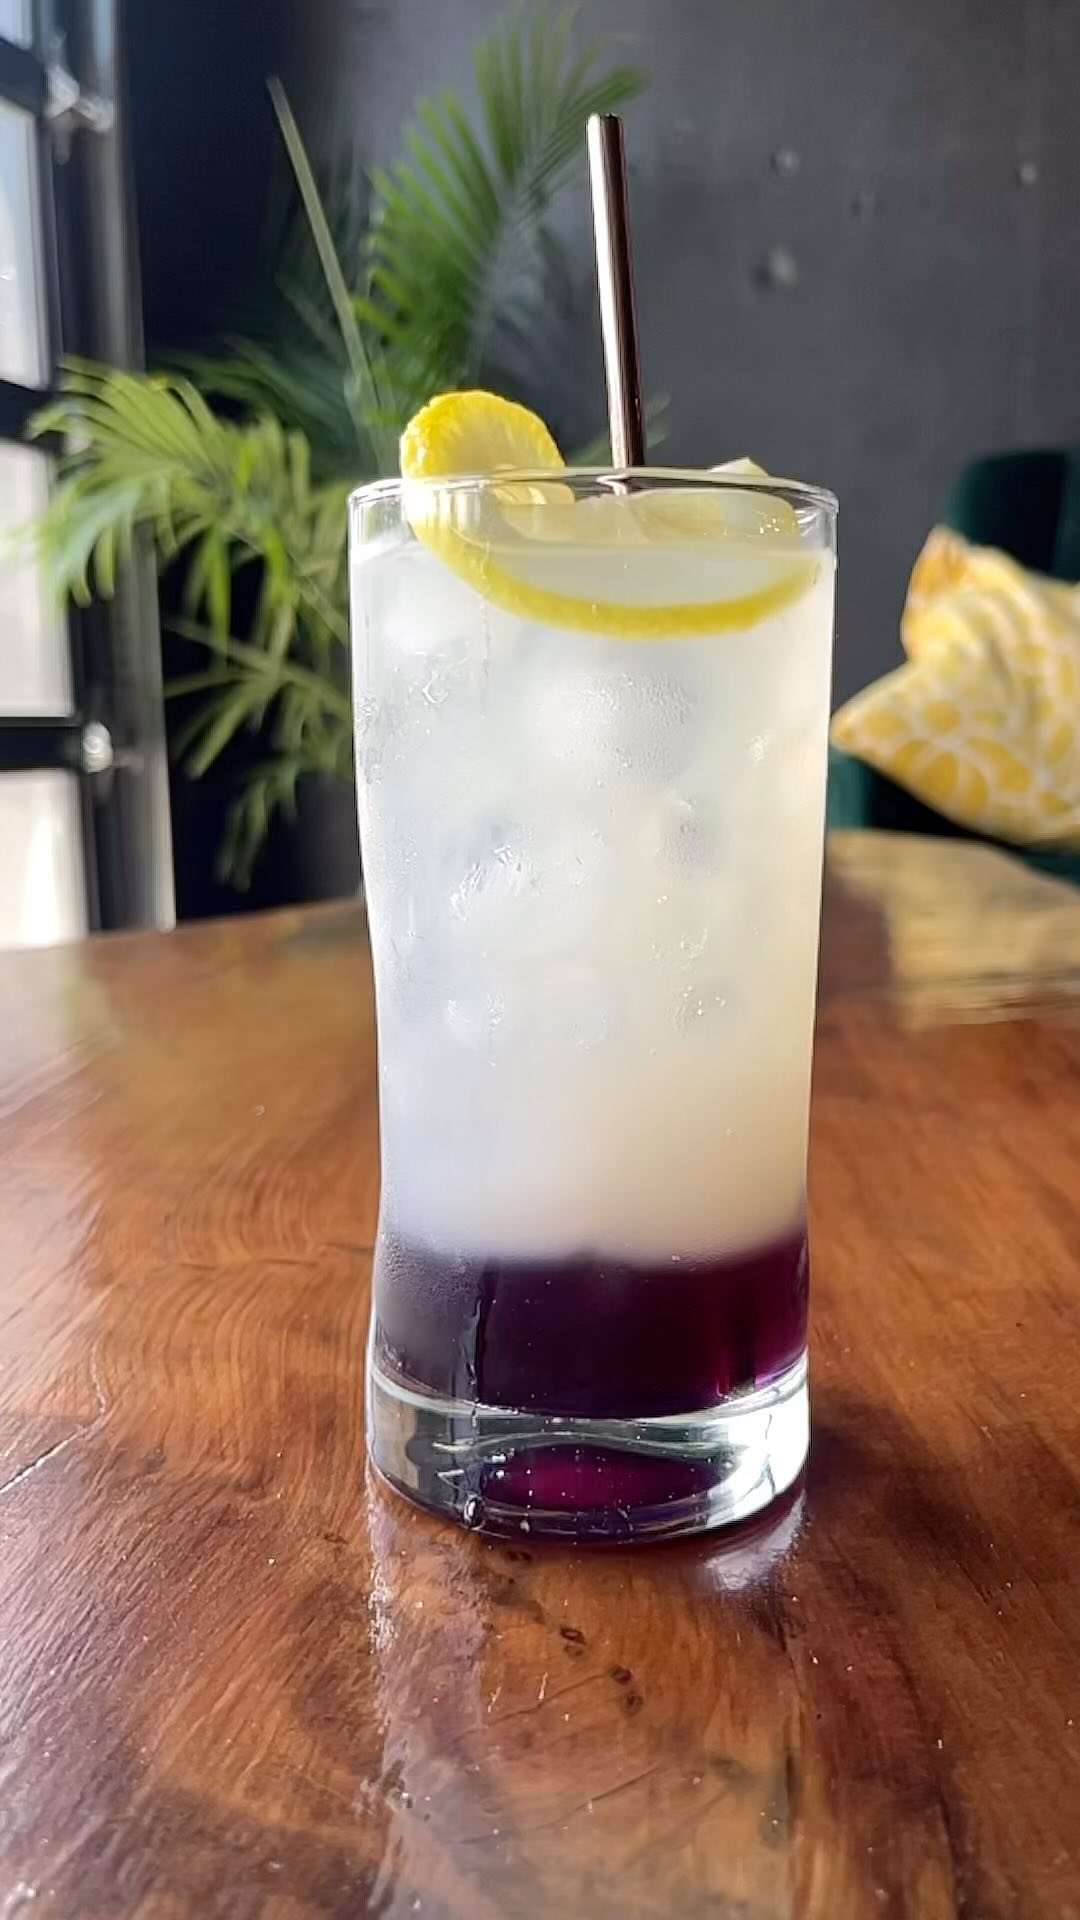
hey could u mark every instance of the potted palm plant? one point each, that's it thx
(237, 466)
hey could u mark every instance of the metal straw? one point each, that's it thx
(615, 272)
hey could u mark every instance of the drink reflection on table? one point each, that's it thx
(562, 1728)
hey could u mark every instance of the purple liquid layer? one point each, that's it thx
(587, 1336)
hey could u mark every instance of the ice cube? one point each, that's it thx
(519, 893)
(607, 723)
(411, 608)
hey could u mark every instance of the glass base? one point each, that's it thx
(579, 1479)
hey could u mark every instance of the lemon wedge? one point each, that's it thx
(660, 563)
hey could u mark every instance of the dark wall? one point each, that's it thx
(203, 149)
(206, 154)
(207, 162)
(856, 238)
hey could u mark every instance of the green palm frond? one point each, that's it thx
(236, 466)
(266, 789)
(234, 499)
(456, 252)
(366, 384)
(148, 452)
(299, 381)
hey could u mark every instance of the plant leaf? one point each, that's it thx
(365, 385)
(457, 237)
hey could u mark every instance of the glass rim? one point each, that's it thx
(798, 492)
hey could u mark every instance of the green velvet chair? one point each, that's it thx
(1028, 504)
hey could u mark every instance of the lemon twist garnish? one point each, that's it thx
(510, 541)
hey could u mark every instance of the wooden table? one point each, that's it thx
(239, 1679)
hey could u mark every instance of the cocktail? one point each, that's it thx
(591, 724)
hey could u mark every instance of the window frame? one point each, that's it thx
(113, 741)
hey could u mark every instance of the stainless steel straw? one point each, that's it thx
(615, 272)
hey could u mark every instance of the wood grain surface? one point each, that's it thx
(238, 1679)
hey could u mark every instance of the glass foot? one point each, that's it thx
(577, 1479)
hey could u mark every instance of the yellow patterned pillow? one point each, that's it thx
(983, 720)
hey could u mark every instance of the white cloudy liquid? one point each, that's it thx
(593, 875)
